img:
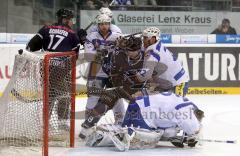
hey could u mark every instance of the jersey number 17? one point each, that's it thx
(53, 38)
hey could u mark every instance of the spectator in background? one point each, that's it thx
(90, 5)
(122, 3)
(104, 3)
(225, 28)
(93, 4)
(101, 3)
(145, 2)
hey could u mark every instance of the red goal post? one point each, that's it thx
(46, 97)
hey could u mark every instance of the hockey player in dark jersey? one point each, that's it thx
(125, 63)
(121, 66)
(58, 37)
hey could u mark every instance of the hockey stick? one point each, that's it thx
(137, 33)
(133, 34)
(22, 98)
(120, 91)
(89, 25)
(201, 140)
(102, 93)
(218, 141)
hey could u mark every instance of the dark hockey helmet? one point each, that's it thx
(134, 43)
(64, 13)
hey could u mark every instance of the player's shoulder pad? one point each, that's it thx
(43, 28)
(115, 28)
(92, 35)
(150, 52)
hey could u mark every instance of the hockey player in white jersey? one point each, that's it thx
(97, 47)
(109, 13)
(100, 43)
(151, 119)
(160, 67)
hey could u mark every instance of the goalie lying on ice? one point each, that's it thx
(153, 118)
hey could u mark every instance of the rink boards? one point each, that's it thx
(213, 68)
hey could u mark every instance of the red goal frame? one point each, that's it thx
(46, 61)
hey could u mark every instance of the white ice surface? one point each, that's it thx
(221, 122)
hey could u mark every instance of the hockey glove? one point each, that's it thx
(82, 36)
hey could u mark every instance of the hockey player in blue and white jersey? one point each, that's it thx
(99, 44)
(150, 119)
(160, 67)
(109, 13)
(82, 33)
(166, 111)
(97, 47)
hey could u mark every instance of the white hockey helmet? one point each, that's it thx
(103, 18)
(106, 11)
(152, 31)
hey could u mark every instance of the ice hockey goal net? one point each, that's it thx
(38, 105)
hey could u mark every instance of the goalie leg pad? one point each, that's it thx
(118, 135)
(99, 139)
(144, 139)
(107, 135)
(170, 132)
(124, 138)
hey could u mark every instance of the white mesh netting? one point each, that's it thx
(21, 106)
